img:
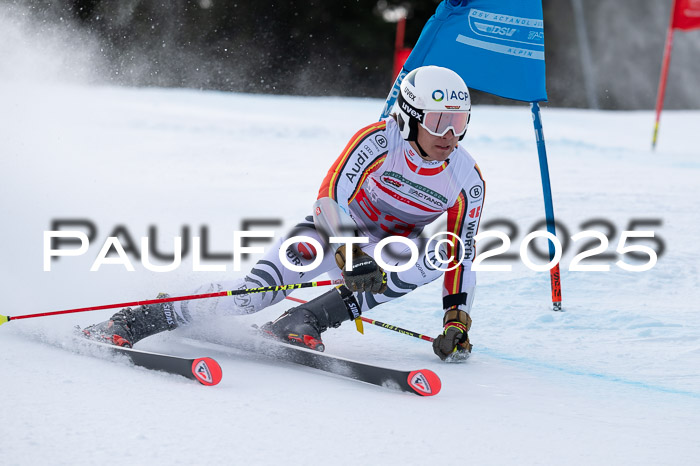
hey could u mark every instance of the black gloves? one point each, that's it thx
(453, 343)
(365, 275)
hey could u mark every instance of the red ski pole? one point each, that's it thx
(171, 299)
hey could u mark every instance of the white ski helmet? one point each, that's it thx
(436, 98)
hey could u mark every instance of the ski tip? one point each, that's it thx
(4, 319)
(207, 371)
(425, 382)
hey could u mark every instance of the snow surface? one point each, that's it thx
(615, 379)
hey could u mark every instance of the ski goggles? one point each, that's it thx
(439, 123)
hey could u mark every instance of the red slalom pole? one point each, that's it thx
(660, 93)
(171, 299)
(380, 324)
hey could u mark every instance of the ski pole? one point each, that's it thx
(397, 329)
(171, 299)
(380, 324)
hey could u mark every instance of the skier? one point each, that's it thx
(393, 178)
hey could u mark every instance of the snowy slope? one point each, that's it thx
(613, 380)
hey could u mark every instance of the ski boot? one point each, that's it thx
(128, 326)
(303, 325)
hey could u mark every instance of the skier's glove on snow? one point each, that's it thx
(453, 342)
(365, 275)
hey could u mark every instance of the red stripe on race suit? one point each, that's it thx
(424, 171)
(329, 182)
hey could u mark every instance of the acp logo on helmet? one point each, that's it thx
(439, 95)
